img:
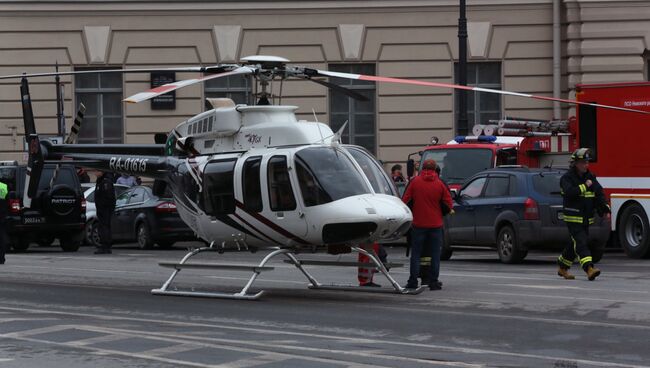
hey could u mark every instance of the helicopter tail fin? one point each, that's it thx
(34, 149)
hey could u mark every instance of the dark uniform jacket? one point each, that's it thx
(581, 201)
(105, 193)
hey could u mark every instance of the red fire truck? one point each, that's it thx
(616, 138)
(621, 162)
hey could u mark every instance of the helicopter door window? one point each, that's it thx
(218, 191)
(281, 195)
(251, 184)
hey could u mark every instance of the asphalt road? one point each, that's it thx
(81, 310)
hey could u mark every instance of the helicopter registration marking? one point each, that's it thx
(128, 164)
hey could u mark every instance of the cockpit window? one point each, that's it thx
(378, 178)
(327, 174)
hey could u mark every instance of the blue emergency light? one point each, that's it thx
(473, 138)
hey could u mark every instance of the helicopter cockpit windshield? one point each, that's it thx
(327, 174)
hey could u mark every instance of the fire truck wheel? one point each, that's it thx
(508, 246)
(634, 232)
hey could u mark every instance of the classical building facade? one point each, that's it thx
(510, 47)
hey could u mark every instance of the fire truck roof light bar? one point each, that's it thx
(474, 138)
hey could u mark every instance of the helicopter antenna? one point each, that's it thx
(315, 117)
(339, 133)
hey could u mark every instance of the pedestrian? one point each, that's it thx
(426, 193)
(3, 219)
(396, 173)
(105, 204)
(365, 274)
(128, 180)
(582, 195)
(425, 258)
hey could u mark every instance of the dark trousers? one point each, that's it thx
(104, 226)
(578, 248)
(3, 241)
(429, 239)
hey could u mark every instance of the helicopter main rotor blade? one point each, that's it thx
(337, 88)
(143, 96)
(122, 71)
(374, 78)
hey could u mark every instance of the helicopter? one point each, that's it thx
(251, 178)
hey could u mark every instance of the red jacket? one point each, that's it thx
(426, 191)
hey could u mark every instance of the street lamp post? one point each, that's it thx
(462, 126)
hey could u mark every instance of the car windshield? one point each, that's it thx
(378, 178)
(456, 165)
(547, 183)
(327, 174)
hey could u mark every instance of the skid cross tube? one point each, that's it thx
(243, 294)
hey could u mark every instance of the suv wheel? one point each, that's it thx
(446, 251)
(508, 246)
(144, 236)
(70, 243)
(634, 232)
(92, 233)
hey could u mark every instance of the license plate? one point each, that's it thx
(33, 220)
(560, 216)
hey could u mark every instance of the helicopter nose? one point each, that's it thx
(393, 217)
(364, 218)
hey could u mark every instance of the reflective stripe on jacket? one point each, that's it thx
(580, 201)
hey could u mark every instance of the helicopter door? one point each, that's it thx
(281, 206)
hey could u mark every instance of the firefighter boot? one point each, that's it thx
(564, 272)
(592, 273)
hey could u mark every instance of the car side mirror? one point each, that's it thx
(410, 167)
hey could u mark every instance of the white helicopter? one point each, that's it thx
(254, 178)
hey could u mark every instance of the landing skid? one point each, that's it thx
(261, 267)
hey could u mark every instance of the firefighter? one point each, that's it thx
(105, 204)
(582, 194)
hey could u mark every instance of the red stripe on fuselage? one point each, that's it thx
(270, 224)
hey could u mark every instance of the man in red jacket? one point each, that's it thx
(425, 194)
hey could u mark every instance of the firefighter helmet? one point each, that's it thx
(581, 154)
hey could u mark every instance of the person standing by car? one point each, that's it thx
(426, 192)
(582, 194)
(4, 190)
(105, 204)
(396, 173)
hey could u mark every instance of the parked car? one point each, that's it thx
(58, 211)
(514, 210)
(147, 219)
(91, 234)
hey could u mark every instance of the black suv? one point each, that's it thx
(57, 211)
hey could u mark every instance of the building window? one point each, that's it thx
(360, 115)
(236, 87)
(101, 93)
(481, 106)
